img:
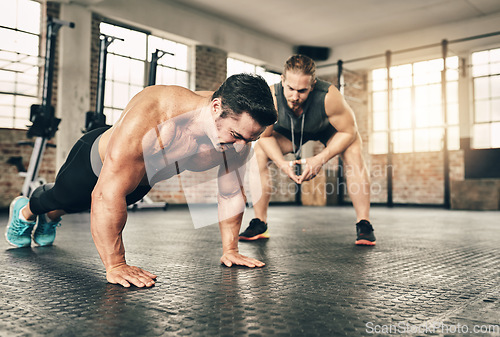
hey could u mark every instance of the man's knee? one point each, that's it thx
(354, 152)
(39, 202)
(260, 154)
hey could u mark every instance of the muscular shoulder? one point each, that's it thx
(334, 101)
(146, 111)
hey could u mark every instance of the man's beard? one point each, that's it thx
(295, 105)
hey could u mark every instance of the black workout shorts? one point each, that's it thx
(72, 190)
(323, 135)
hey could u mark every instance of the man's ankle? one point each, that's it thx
(25, 218)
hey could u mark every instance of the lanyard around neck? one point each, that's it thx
(297, 152)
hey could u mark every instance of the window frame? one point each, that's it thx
(22, 70)
(378, 142)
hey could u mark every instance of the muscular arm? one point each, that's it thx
(122, 172)
(342, 118)
(231, 205)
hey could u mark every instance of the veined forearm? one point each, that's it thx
(230, 216)
(270, 146)
(106, 225)
(339, 143)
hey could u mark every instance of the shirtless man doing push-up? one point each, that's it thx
(163, 131)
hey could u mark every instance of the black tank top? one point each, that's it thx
(315, 119)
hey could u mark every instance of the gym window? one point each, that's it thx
(127, 66)
(416, 107)
(19, 61)
(486, 88)
(235, 66)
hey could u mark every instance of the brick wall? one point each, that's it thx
(418, 178)
(210, 67)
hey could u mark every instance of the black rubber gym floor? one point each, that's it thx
(433, 273)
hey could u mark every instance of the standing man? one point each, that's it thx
(311, 109)
(163, 131)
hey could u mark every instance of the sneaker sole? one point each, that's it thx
(256, 237)
(365, 243)
(11, 212)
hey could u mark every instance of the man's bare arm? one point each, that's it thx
(122, 172)
(231, 205)
(342, 118)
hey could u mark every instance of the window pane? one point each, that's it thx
(19, 42)
(137, 72)
(452, 75)
(183, 79)
(6, 122)
(495, 134)
(379, 85)
(495, 68)
(482, 111)
(495, 110)
(172, 69)
(236, 66)
(134, 44)
(8, 15)
(380, 101)
(452, 92)
(482, 137)
(120, 95)
(401, 114)
(26, 102)
(379, 143)
(481, 88)
(402, 141)
(271, 78)
(379, 74)
(401, 99)
(379, 121)
(121, 68)
(480, 70)
(19, 60)
(20, 123)
(453, 138)
(28, 18)
(480, 57)
(22, 113)
(400, 119)
(435, 115)
(452, 116)
(6, 111)
(428, 139)
(495, 86)
(6, 99)
(495, 55)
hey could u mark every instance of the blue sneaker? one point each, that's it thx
(18, 232)
(45, 232)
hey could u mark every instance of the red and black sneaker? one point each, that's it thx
(365, 237)
(255, 231)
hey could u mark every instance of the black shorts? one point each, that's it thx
(323, 136)
(72, 190)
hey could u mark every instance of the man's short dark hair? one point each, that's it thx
(247, 93)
